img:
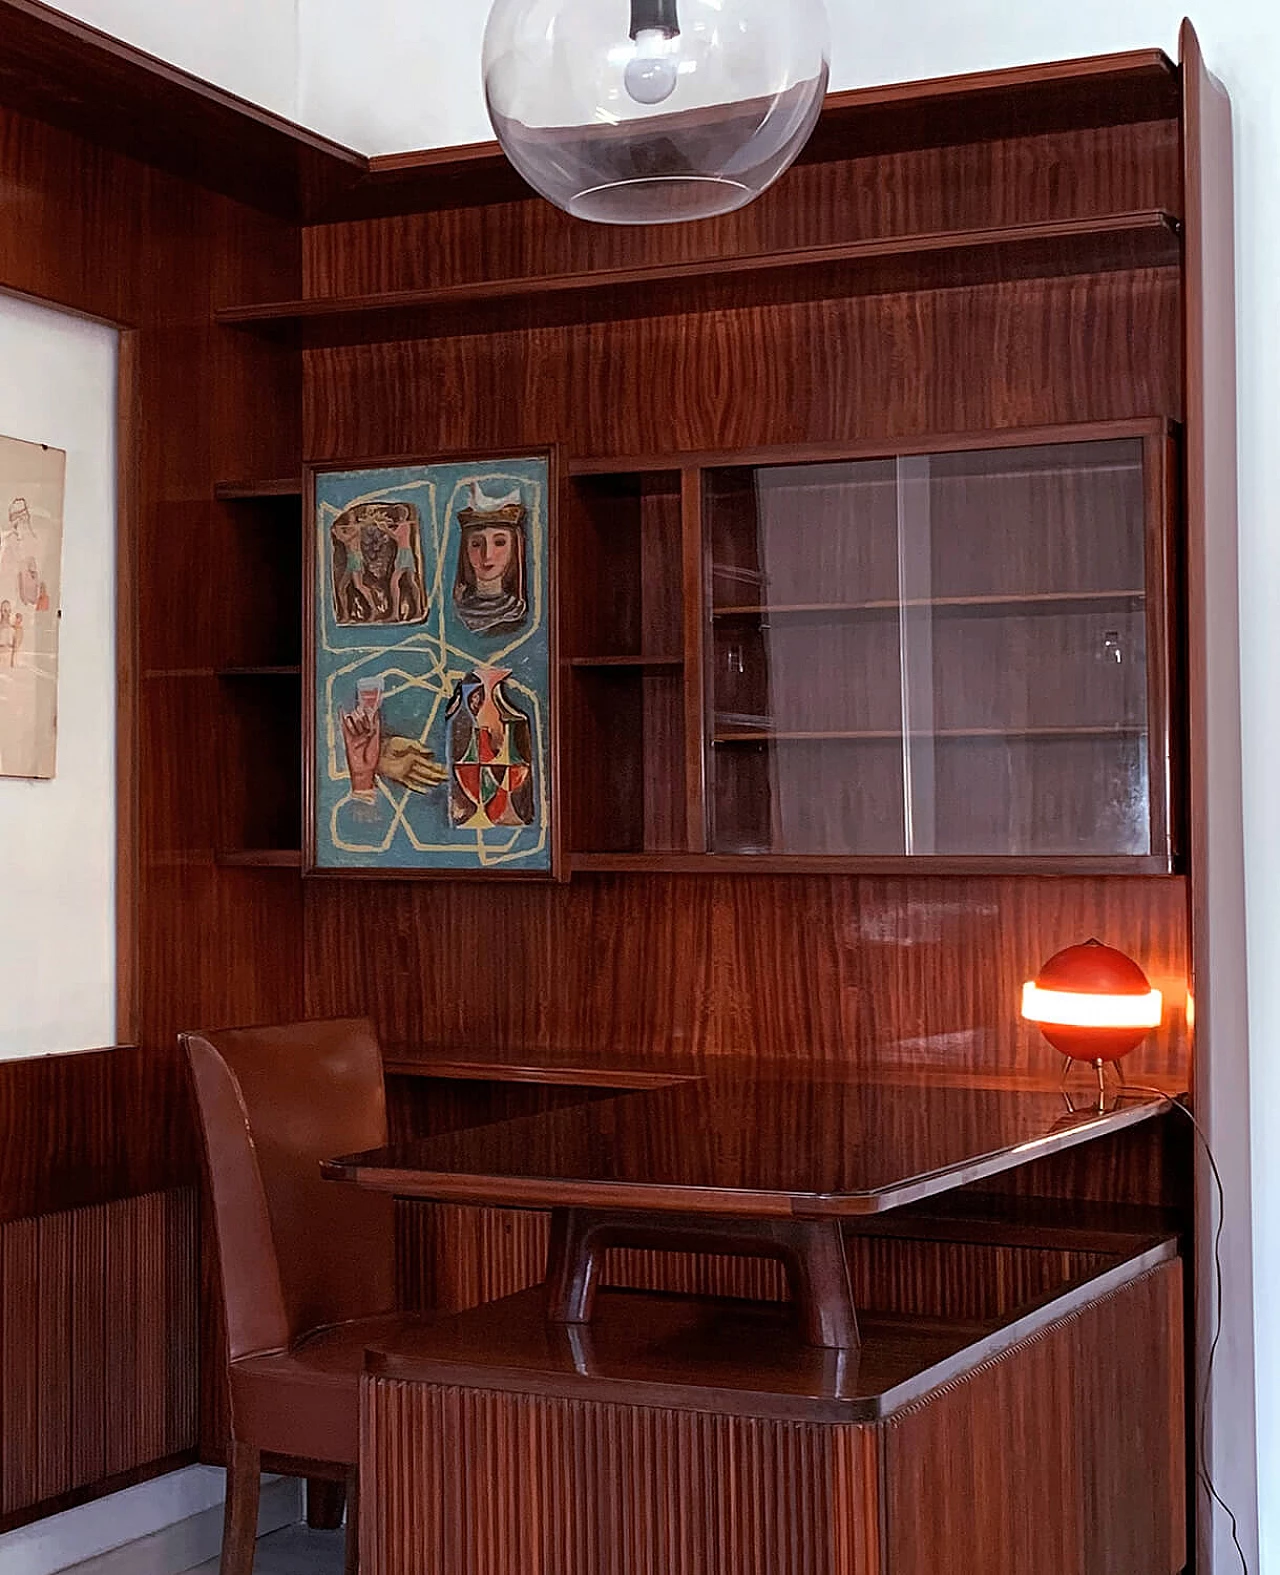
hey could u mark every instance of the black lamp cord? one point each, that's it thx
(1202, 1400)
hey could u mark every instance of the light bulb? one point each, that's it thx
(654, 68)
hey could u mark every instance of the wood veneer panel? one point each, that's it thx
(868, 369)
(648, 1491)
(1018, 180)
(1067, 1454)
(59, 70)
(925, 973)
(71, 1133)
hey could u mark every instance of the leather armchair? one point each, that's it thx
(308, 1265)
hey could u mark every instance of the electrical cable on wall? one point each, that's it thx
(1203, 1475)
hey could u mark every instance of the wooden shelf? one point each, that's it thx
(223, 672)
(240, 491)
(602, 466)
(623, 663)
(259, 672)
(929, 864)
(835, 609)
(259, 858)
(763, 736)
(941, 259)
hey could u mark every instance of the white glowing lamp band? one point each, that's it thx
(1073, 1009)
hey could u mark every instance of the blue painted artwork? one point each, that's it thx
(432, 680)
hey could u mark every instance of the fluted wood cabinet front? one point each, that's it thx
(479, 1482)
(1063, 1455)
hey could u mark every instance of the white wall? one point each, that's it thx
(57, 839)
(405, 75)
(249, 47)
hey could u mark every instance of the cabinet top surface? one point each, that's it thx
(734, 1358)
(752, 1141)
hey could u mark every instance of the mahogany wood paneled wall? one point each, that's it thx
(925, 973)
(89, 1140)
(99, 1278)
(833, 968)
(917, 972)
(103, 235)
(912, 971)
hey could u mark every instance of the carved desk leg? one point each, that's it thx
(811, 1251)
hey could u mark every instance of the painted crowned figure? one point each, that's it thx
(489, 589)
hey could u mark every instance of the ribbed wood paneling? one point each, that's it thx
(97, 1344)
(481, 1483)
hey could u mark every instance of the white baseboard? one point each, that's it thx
(158, 1528)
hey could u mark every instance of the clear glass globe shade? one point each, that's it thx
(656, 128)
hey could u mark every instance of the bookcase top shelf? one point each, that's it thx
(941, 259)
(248, 491)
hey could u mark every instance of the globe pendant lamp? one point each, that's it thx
(654, 111)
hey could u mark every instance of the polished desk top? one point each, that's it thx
(792, 1142)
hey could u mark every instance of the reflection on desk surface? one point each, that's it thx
(743, 1143)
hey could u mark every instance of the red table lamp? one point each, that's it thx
(1092, 1003)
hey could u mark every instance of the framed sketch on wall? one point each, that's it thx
(32, 479)
(430, 673)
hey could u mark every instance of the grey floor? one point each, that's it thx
(293, 1551)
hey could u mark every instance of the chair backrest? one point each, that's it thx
(297, 1252)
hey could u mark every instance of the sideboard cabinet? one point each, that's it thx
(958, 653)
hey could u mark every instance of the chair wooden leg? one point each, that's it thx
(352, 1565)
(325, 1502)
(240, 1520)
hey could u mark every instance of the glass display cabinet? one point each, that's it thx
(960, 655)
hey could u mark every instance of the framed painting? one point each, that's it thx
(32, 479)
(430, 669)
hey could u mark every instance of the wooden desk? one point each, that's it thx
(696, 1436)
(750, 1142)
(679, 1437)
(757, 1162)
